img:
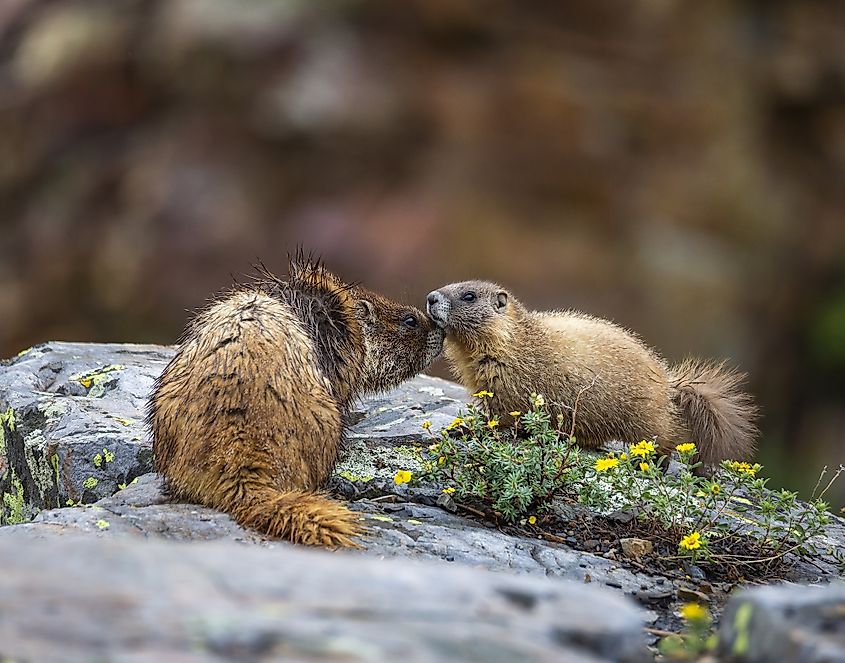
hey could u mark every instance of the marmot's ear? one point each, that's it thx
(363, 310)
(501, 301)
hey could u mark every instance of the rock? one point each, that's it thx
(222, 601)
(70, 413)
(691, 595)
(72, 424)
(785, 623)
(636, 548)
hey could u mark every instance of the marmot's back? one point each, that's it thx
(248, 383)
(623, 384)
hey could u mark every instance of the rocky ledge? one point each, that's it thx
(78, 498)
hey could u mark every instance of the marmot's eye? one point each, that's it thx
(468, 296)
(410, 321)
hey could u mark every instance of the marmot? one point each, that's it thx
(627, 392)
(248, 416)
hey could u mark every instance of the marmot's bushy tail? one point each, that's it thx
(719, 414)
(298, 516)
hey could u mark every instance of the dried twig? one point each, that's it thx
(581, 392)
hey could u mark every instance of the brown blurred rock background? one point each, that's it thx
(676, 166)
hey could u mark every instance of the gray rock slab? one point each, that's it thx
(394, 530)
(72, 424)
(798, 624)
(94, 598)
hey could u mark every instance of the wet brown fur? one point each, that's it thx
(627, 392)
(248, 416)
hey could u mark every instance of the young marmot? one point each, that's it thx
(627, 392)
(248, 416)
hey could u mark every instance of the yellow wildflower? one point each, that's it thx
(532, 520)
(715, 488)
(515, 413)
(441, 460)
(744, 468)
(644, 467)
(691, 541)
(694, 612)
(455, 423)
(603, 464)
(426, 424)
(434, 448)
(483, 394)
(623, 456)
(538, 400)
(449, 490)
(642, 449)
(686, 448)
(493, 423)
(103, 524)
(402, 476)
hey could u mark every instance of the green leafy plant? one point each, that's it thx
(729, 519)
(511, 473)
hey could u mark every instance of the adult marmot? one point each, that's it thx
(627, 392)
(248, 416)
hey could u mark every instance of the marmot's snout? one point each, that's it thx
(438, 306)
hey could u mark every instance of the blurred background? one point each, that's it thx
(676, 166)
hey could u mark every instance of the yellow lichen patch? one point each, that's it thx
(384, 519)
(93, 379)
(7, 418)
(346, 474)
(103, 524)
(124, 421)
(14, 503)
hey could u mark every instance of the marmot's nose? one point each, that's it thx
(433, 297)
